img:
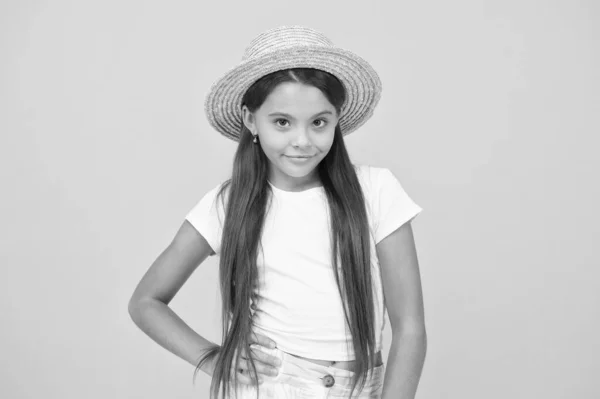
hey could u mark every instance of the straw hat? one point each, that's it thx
(293, 47)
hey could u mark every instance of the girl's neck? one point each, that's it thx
(296, 184)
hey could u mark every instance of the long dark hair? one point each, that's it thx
(247, 202)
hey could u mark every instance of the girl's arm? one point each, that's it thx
(404, 301)
(148, 305)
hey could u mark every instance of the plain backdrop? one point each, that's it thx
(489, 117)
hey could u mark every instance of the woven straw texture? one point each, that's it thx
(293, 47)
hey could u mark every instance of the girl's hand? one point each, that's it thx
(265, 364)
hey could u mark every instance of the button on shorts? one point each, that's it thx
(301, 379)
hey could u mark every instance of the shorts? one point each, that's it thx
(302, 379)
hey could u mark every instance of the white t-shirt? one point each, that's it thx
(298, 304)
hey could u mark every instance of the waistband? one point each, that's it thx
(378, 359)
(300, 372)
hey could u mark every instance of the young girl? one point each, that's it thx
(314, 250)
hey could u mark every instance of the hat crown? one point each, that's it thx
(285, 37)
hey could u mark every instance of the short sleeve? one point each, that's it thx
(207, 216)
(392, 205)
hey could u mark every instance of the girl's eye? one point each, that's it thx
(277, 121)
(323, 122)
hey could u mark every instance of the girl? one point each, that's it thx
(312, 247)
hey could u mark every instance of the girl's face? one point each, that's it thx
(295, 127)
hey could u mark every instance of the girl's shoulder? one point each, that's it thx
(389, 205)
(379, 182)
(371, 176)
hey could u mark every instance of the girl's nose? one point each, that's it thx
(302, 139)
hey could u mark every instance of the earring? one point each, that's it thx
(255, 139)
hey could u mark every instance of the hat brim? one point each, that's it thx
(363, 86)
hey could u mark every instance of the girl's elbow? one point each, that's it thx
(136, 306)
(133, 308)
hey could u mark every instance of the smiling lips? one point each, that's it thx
(299, 160)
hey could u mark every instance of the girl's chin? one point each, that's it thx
(297, 170)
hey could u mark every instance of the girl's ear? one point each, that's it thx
(248, 119)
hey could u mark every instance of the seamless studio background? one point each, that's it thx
(489, 118)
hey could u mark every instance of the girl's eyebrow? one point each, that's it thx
(291, 117)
